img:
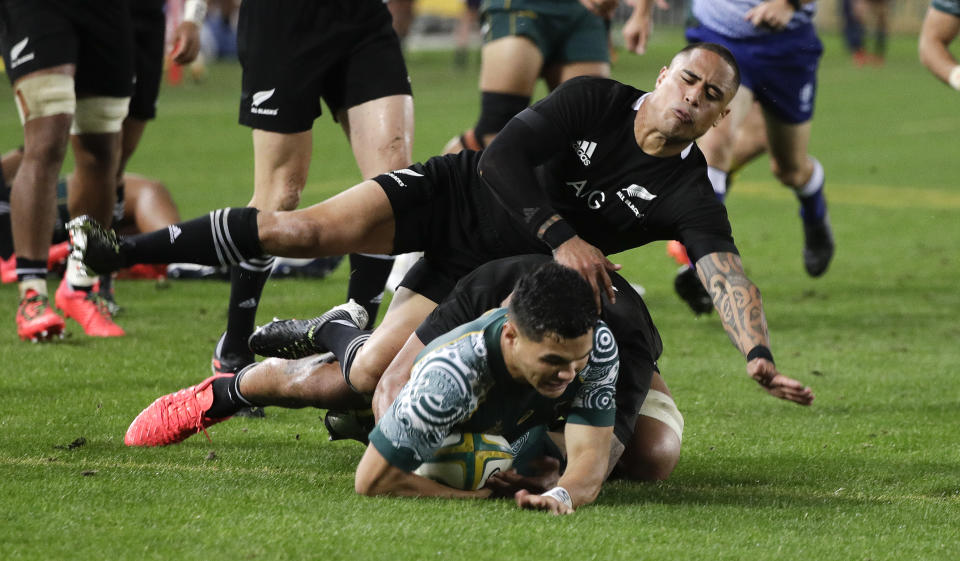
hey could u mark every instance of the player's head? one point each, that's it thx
(692, 93)
(549, 334)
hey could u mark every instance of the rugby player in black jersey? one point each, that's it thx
(594, 168)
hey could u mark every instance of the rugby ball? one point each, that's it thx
(465, 461)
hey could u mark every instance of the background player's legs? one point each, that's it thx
(509, 69)
(654, 451)
(795, 168)
(47, 102)
(556, 74)
(380, 132)
(281, 164)
(718, 143)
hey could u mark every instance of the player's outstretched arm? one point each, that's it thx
(376, 476)
(738, 302)
(588, 451)
(938, 31)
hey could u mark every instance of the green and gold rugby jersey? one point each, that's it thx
(460, 383)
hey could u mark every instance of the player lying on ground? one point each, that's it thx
(504, 373)
(596, 167)
(544, 358)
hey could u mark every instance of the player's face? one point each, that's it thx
(692, 94)
(549, 365)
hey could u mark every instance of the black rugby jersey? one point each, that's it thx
(574, 154)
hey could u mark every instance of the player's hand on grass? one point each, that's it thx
(589, 262)
(529, 501)
(186, 43)
(507, 483)
(773, 14)
(778, 385)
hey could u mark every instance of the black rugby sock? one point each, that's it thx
(246, 286)
(344, 341)
(368, 276)
(31, 269)
(6, 230)
(224, 237)
(227, 399)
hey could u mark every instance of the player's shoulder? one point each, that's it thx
(604, 344)
(601, 88)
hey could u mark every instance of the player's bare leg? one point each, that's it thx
(33, 193)
(556, 74)
(308, 382)
(380, 132)
(407, 310)
(509, 66)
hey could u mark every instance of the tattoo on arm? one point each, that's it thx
(736, 298)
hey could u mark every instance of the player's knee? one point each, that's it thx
(789, 175)
(45, 95)
(496, 109)
(655, 450)
(100, 115)
(656, 460)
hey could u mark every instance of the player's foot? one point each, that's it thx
(676, 250)
(353, 425)
(691, 290)
(97, 248)
(8, 270)
(228, 364)
(296, 338)
(57, 255)
(818, 246)
(174, 417)
(88, 309)
(36, 320)
(143, 271)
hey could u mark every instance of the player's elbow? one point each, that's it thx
(368, 485)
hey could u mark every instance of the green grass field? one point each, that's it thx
(869, 472)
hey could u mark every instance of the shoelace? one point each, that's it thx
(103, 308)
(34, 306)
(182, 412)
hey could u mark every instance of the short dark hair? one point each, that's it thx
(720, 51)
(553, 299)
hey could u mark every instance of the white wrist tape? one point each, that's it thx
(954, 79)
(560, 494)
(195, 11)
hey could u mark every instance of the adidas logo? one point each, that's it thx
(15, 58)
(248, 303)
(175, 232)
(584, 150)
(639, 192)
(258, 99)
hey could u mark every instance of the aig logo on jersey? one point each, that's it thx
(258, 99)
(584, 150)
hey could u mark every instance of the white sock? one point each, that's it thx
(815, 183)
(718, 179)
(77, 275)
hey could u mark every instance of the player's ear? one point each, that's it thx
(723, 114)
(662, 75)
